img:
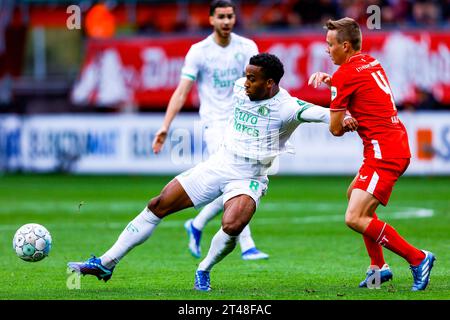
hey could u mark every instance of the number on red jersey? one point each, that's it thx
(382, 83)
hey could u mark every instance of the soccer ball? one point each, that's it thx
(32, 242)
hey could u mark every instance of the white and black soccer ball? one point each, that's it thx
(32, 242)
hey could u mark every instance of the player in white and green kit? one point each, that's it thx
(215, 64)
(263, 118)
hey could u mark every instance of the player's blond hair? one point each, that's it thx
(347, 30)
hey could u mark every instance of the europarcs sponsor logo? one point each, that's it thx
(244, 122)
(225, 78)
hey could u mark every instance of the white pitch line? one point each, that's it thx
(64, 207)
(403, 213)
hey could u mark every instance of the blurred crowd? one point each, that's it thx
(421, 13)
(257, 14)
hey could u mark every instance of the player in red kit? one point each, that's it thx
(360, 87)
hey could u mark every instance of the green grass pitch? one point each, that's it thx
(313, 255)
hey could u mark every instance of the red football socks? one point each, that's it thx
(385, 235)
(374, 249)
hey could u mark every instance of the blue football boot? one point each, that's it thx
(202, 281)
(194, 238)
(421, 273)
(92, 266)
(254, 254)
(385, 275)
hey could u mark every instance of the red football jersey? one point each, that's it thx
(361, 87)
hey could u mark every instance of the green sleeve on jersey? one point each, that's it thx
(305, 105)
(188, 76)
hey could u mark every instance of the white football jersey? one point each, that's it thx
(260, 130)
(216, 69)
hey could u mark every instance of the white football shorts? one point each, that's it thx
(227, 174)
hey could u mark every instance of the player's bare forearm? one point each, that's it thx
(177, 101)
(173, 108)
(336, 123)
(348, 124)
(175, 104)
(337, 132)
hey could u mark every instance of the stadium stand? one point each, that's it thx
(36, 51)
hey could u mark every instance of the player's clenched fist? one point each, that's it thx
(350, 124)
(159, 140)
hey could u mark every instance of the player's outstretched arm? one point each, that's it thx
(312, 113)
(316, 114)
(176, 102)
(317, 78)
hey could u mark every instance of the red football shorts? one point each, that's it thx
(378, 177)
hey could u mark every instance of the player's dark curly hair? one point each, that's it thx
(270, 64)
(220, 4)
